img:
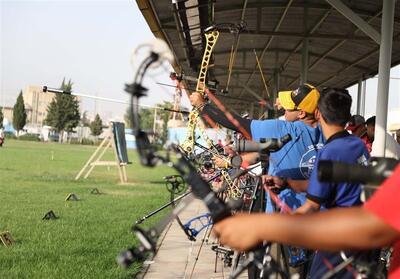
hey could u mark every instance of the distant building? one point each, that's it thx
(394, 123)
(36, 102)
(8, 114)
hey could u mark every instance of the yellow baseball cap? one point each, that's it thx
(305, 98)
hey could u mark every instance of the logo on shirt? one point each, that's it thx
(308, 159)
(362, 160)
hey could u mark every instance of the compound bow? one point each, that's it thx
(149, 157)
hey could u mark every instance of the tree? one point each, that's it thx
(1, 118)
(85, 120)
(146, 118)
(128, 117)
(63, 111)
(165, 117)
(19, 114)
(96, 127)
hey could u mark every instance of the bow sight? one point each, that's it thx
(175, 184)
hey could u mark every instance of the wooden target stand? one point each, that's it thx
(95, 159)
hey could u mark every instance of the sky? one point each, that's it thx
(91, 43)
(372, 85)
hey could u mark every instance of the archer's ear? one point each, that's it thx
(301, 114)
(317, 114)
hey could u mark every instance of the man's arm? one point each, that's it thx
(250, 158)
(308, 207)
(218, 116)
(298, 185)
(333, 230)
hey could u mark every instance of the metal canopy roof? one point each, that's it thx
(339, 54)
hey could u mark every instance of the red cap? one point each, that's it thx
(355, 122)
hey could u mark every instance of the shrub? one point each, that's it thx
(84, 141)
(9, 135)
(29, 137)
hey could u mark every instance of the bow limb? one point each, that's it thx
(211, 40)
(204, 220)
(185, 229)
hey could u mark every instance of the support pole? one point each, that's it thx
(251, 112)
(277, 83)
(155, 121)
(363, 96)
(359, 93)
(277, 77)
(385, 55)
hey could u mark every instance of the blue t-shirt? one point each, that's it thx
(345, 148)
(295, 159)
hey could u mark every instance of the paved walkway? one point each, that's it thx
(176, 255)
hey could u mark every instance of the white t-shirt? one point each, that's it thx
(392, 148)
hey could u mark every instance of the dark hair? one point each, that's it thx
(335, 105)
(370, 121)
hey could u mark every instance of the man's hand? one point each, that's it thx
(221, 162)
(239, 232)
(277, 104)
(196, 99)
(229, 150)
(274, 181)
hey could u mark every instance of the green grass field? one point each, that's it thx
(83, 243)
